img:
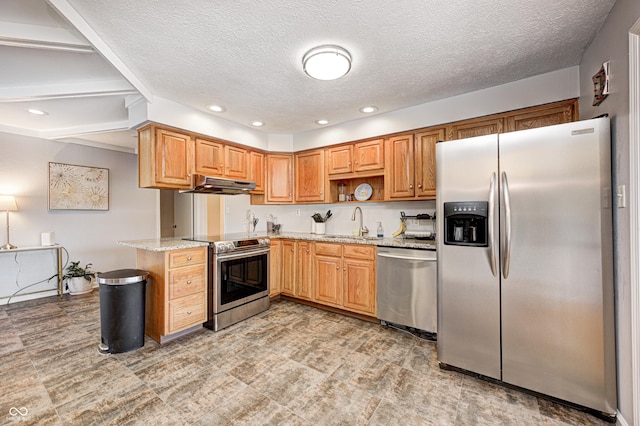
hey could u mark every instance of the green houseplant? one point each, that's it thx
(78, 279)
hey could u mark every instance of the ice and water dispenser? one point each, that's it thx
(466, 223)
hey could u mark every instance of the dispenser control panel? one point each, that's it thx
(466, 223)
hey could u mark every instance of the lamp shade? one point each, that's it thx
(8, 203)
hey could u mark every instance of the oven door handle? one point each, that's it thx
(230, 256)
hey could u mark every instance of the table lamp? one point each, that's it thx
(8, 204)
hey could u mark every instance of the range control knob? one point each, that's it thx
(264, 242)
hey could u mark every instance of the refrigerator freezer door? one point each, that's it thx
(468, 290)
(557, 331)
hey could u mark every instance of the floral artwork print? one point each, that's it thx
(78, 187)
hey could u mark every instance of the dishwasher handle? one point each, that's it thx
(393, 256)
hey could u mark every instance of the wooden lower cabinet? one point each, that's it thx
(275, 267)
(176, 293)
(328, 262)
(333, 274)
(288, 277)
(304, 270)
(359, 279)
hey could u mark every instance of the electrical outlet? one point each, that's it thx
(228, 210)
(297, 212)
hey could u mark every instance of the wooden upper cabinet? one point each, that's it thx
(399, 181)
(209, 157)
(368, 155)
(279, 187)
(235, 162)
(356, 157)
(543, 115)
(340, 159)
(214, 158)
(165, 158)
(309, 176)
(475, 127)
(256, 171)
(425, 162)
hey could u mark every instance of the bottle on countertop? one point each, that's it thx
(380, 231)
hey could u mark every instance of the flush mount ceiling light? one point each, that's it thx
(327, 62)
(257, 123)
(368, 109)
(322, 122)
(37, 111)
(217, 108)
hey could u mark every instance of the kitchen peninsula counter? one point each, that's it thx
(162, 244)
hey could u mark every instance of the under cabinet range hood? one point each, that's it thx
(216, 185)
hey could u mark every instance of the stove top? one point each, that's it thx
(232, 241)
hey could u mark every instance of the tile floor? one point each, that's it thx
(291, 365)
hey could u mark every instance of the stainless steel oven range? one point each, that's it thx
(238, 282)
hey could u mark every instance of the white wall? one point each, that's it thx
(611, 44)
(89, 236)
(236, 206)
(550, 87)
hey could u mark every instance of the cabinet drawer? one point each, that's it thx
(329, 249)
(187, 311)
(187, 257)
(185, 281)
(359, 251)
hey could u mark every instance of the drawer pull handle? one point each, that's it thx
(188, 312)
(188, 282)
(189, 258)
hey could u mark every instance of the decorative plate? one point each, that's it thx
(363, 192)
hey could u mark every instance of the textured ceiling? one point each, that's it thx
(246, 55)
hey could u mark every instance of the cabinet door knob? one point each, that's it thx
(188, 282)
(344, 269)
(356, 162)
(419, 186)
(410, 186)
(188, 312)
(189, 258)
(307, 250)
(291, 249)
(337, 268)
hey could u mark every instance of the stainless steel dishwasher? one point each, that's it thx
(407, 290)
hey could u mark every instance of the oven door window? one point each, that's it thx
(244, 277)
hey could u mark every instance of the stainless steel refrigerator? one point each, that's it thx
(525, 264)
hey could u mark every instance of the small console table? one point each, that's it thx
(57, 248)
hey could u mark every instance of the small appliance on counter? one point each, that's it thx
(420, 227)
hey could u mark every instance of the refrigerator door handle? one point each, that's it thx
(507, 226)
(492, 248)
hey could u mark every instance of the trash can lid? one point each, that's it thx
(122, 276)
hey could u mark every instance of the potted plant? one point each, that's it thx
(79, 279)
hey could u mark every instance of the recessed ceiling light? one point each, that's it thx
(217, 108)
(327, 62)
(257, 123)
(37, 111)
(368, 109)
(322, 122)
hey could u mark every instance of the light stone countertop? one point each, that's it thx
(348, 239)
(164, 244)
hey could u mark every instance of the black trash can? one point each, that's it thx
(122, 295)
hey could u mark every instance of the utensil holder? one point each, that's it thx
(320, 228)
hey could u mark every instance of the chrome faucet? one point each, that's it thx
(361, 229)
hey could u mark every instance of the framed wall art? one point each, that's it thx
(78, 187)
